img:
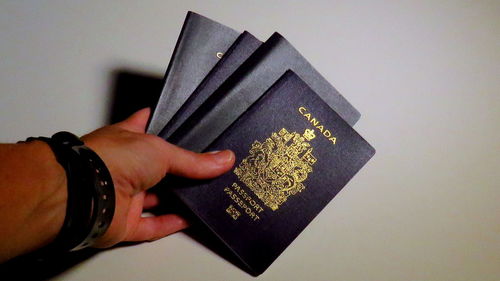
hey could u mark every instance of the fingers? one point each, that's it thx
(179, 161)
(153, 228)
(136, 122)
(150, 201)
(198, 165)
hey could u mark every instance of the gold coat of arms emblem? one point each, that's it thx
(276, 168)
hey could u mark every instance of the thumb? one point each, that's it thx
(189, 164)
(136, 122)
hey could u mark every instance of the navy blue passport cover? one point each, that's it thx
(199, 47)
(239, 51)
(293, 155)
(247, 84)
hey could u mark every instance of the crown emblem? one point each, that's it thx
(276, 168)
(309, 134)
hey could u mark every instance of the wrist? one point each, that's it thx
(90, 194)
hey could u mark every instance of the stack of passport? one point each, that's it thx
(290, 129)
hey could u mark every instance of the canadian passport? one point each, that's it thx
(199, 47)
(239, 51)
(290, 129)
(294, 154)
(247, 84)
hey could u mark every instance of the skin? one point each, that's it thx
(33, 187)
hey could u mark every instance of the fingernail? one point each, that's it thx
(213, 152)
(222, 157)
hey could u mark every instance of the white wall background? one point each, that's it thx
(424, 74)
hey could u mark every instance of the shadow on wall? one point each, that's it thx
(132, 91)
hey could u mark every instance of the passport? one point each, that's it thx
(239, 51)
(293, 155)
(247, 84)
(199, 47)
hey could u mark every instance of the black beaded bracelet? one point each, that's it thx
(91, 195)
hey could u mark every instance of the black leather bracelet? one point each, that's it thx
(91, 195)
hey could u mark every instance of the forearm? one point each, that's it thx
(32, 198)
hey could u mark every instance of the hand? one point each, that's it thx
(138, 161)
